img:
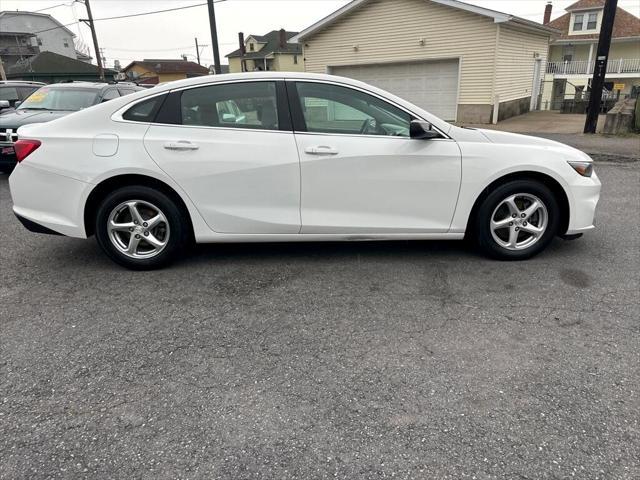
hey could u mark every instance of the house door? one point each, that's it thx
(559, 90)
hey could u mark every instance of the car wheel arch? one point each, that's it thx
(108, 185)
(547, 180)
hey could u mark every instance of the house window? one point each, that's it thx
(295, 59)
(39, 41)
(578, 22)
(66, 43)
(592, 22)
(252, 47)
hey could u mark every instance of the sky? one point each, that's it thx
(170, 34)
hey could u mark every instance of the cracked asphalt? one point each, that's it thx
(387, 360)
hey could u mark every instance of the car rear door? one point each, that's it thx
(241, 171)
(361, 172)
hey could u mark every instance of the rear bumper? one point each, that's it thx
(43, 200)
(35, 227)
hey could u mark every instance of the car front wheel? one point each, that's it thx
(140, 228)
(517, 220)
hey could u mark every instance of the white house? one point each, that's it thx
(572, 55)
(47, 33)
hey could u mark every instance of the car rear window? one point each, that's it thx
(144, 111)
(62, 99)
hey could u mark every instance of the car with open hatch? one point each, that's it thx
(290, 157)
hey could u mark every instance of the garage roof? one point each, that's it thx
(498, 17)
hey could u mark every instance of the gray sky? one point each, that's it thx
(167, 35)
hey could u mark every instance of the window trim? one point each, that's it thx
(297, 114)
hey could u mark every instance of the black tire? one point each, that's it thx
(178, 236)
(482, 223)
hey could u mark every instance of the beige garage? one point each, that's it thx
(432, 85)
(459, 61)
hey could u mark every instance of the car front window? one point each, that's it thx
(65, 99)
(334, 109)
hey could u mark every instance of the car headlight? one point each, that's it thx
(583, 168)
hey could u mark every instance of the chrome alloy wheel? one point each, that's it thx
(519, 221)
(138, 229)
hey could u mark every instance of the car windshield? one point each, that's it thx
(67, 99)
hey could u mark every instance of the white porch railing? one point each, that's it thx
(584, 67)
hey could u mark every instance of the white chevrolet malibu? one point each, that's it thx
(291, 157)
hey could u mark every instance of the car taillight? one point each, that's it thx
(24, 148)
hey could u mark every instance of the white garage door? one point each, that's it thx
(430, 85)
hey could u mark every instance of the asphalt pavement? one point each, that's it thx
(403, 360)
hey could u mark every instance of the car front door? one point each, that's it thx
(361, 172)
(241, 171)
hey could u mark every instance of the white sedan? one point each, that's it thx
(291, 157)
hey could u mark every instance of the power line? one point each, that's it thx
(155, 11)
(55, 28)
(18, 12)
(129, 16)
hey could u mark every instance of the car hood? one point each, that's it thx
(17, 118)
(496, 136)
(507, 138)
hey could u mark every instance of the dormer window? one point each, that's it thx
(252, 47)
(578, 22)
(585, 22)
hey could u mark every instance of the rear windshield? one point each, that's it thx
(66, 99)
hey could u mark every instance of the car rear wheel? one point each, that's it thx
(517, 220)
(141, 228)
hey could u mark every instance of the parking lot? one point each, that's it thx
(360, 360)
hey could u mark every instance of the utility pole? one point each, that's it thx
(214, 37)
(600, 70)
(95, 39)
(197, 51)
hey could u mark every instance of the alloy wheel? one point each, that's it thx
(138, 229)
(519, 221)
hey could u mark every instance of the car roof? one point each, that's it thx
(13, 83)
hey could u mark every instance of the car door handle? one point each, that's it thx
(321, 150)
(181, 145)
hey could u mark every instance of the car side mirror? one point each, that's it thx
(228, 118)
(421, 130)
(4, 104)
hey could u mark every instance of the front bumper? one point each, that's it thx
(584, 196)
(49, 200)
